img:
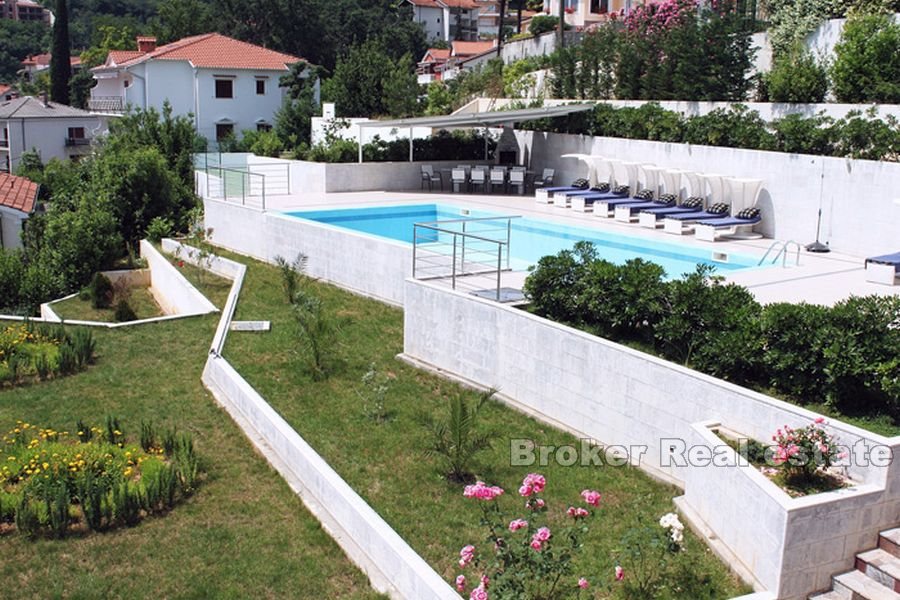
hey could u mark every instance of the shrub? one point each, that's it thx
(100, 291)
(542, 24)
(551, 286)
(124, 312)
(867, 64)
(84, 345)
(801, 135)
(795, 337)
(159, 228)
(797, 78)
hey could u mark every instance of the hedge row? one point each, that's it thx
(847, 355)
(858, 135)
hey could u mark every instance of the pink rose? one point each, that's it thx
(466, 555)
(592, 497)
(620, 573)
(536, 544)
(482, 491)
(517, 524)
(583, 583)
(525, 491)
(478, 593)
(542, 534)
(577, 512)
(485, 581)
(460, 583)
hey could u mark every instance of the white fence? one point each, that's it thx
(619, 396)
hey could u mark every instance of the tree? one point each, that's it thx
(19, 40)
(867, 61)
(401, 88)
(60, 63)
(293, 120)
(357, 87)
(177, 19)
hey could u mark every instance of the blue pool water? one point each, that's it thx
(530, 239)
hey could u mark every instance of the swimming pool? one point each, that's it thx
(530, 239)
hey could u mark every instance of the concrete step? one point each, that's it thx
(889, 541)
(829, 595)
(855, 585)
(881, 566)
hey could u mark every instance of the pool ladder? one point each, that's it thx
(783, 249)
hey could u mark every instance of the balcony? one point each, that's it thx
(107, 104)
(70, 142)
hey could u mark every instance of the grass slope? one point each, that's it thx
(243, 534)
(386, 464)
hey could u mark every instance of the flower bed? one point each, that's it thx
(30, 352)
(801, 461)
(58, 483)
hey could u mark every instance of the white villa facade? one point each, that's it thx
(52, 130)
(582, 13)
(227, 85)
(448, 20)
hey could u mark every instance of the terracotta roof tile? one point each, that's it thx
(120, 56)
(471, 48)
(43, 60)
(216, 51)
(17, 192)
(436, 55)
(425, 3)
(4, 88)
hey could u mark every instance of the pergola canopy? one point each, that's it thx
(480, 119)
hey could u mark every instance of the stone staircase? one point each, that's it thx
(877, 574)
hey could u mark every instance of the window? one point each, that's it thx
(224, 130)
(76, 133)
(260, 87)
(263, 127)
(224, 88)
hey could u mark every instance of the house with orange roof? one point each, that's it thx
(428, 69)
(228, 86)
(33, 65)
(18, 200)
(7, 92)
(582, 14)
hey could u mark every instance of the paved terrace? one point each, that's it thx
(820, 278)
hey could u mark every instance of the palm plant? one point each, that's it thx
(456, 439)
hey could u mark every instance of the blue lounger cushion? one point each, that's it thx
(696, 216)
(886, 259)
(588, 199)
(730, 222)
(647, 205)
(564, 188)
(662, 213)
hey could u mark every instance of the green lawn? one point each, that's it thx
(386, 463)
(243, 534)
(141, 301)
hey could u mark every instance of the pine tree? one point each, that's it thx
(60, 63)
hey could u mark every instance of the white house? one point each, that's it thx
(583, 13)
(52, 130)
(450, 20)
(227, 85)
(18, 200)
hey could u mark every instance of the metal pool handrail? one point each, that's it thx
(458, 248)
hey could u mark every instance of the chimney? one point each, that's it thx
(146, 44)
(44, 99)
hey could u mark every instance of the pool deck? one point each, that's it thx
(820, 278)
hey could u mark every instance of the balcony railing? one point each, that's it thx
(4, 143)
(106, 104)
(77, 141)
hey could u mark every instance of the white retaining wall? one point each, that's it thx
(361, 177)
(619, 396)
(859, 198)
(172, 291)
(391, 564)
(366, 264)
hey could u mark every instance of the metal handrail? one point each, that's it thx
(458, 249)
(783, 249)
(223, 170)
